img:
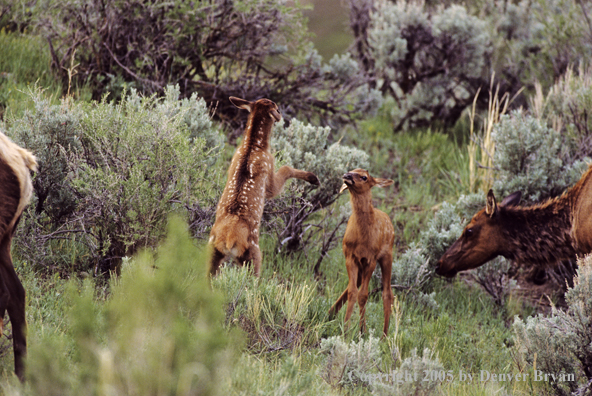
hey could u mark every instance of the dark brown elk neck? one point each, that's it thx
(541, 233)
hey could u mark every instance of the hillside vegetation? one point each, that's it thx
(125, 105)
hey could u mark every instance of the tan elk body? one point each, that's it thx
(15, 192)
(369, 239)
(251, 180)
(546, 233)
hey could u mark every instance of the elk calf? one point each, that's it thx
(369, 238)
(555, 230)
(251, 179)
(15, 191)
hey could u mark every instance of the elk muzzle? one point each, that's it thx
(444, 269)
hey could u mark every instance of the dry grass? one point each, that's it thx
(482, 146)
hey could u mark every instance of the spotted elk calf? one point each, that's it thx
(251, 179)
(546, 233)
(15, 192)
(369, 238)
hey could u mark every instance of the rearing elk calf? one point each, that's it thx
(557, 229)
(15, 191)
(369, 237)
(251, 179)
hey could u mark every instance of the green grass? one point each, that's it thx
(25, 63)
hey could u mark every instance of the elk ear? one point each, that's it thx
(512, 199)
(241, 103)
(382, 182)
(491, 207)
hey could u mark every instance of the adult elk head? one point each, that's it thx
(482, 239)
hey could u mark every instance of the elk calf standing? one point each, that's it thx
(369, 238)
(555, 230)
(251, 179)
(15, 191)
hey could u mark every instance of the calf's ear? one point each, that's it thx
(382, 182)
(241, 103)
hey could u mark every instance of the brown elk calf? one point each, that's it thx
(369, 238)
(251, 179)
(557, 229)
(15, 191)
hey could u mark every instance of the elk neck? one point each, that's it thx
(362, 210)
(540, 233)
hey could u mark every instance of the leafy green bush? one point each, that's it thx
(560, 344)
(111, 173)
(159, 332)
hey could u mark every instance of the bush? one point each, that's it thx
(560, 344)
(161, 317)
(306, 147)
(538, 40)
(360, 364)
(111, 173)
(431, 62)
(248, 48)
(532, 158)
(494, 278)
(566, 107)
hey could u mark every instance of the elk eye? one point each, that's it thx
(364, 178)
(469, 232)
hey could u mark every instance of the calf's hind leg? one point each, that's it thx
(386, 263)
(252, 255)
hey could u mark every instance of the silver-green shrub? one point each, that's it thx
(360, 364)
(349, 365)
(494, 278)
(529, 157)
(431, 61)
(567, 105)
(50, 131)
(126, 166)
(538, 40)
(411, 273)
(410, 377)
(562, 342)
(307, 147)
